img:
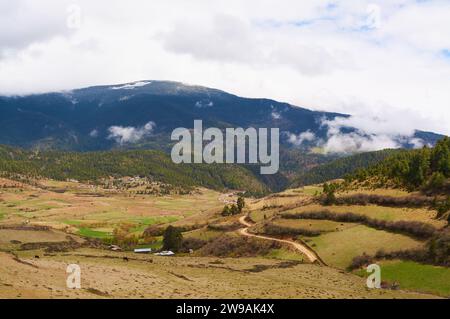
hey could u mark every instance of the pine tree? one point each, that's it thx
(329, 191)
(418, 169)
(172, 239)
(440, 157)
(240, 204)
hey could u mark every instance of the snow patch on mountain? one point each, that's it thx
(131, 86)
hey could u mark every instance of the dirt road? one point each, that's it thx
(309, 253)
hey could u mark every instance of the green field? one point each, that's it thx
(339, 248)
(88, 232)
(258, 216)
(144, 222)
(312, 190)
(415, 276)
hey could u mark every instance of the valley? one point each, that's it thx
(49, 224)
(214, 159)
(141, 226)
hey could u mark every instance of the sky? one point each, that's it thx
(385, 62)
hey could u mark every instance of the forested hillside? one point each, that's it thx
(93, 166)
(341, 167)
(426, 169)
(153, 164)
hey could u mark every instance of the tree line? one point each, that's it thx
(423, 169)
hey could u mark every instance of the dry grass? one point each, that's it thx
(395, 192)
(30, 236)
(181, 277)
(383, 213)
(314, 225)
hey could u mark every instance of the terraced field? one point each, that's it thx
(424, 215)
(340, 247)
(94, 212)
(338, 243)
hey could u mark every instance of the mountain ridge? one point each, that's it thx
(81, 119)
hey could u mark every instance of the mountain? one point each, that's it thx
(143, 114)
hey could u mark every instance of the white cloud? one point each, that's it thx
(299, 139)
(24, 22)
(275, 115)
(226, 39)
(204, 104)
(354, 143)
(123, 135)
(364, 134)
(94, 133)
(331, 55)
(125, 98)
(417, 142)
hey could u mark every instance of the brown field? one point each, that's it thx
(106, 275)
(395, 192)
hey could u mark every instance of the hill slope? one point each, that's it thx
(341, 167)
(427, 168)
(155, 165)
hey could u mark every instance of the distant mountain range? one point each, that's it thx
(143, 114)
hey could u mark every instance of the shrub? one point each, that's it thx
(230, 226)
(360, 261)
(192, 243)
(153, 231)
(443, 207)
(329, 191)
(226, 211)
(388, 201)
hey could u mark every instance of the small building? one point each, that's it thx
(165, 253)
(143, 250)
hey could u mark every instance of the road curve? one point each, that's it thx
(310, 254)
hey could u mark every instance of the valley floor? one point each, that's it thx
(77, 213)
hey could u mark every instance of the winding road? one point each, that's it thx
(305, 250)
